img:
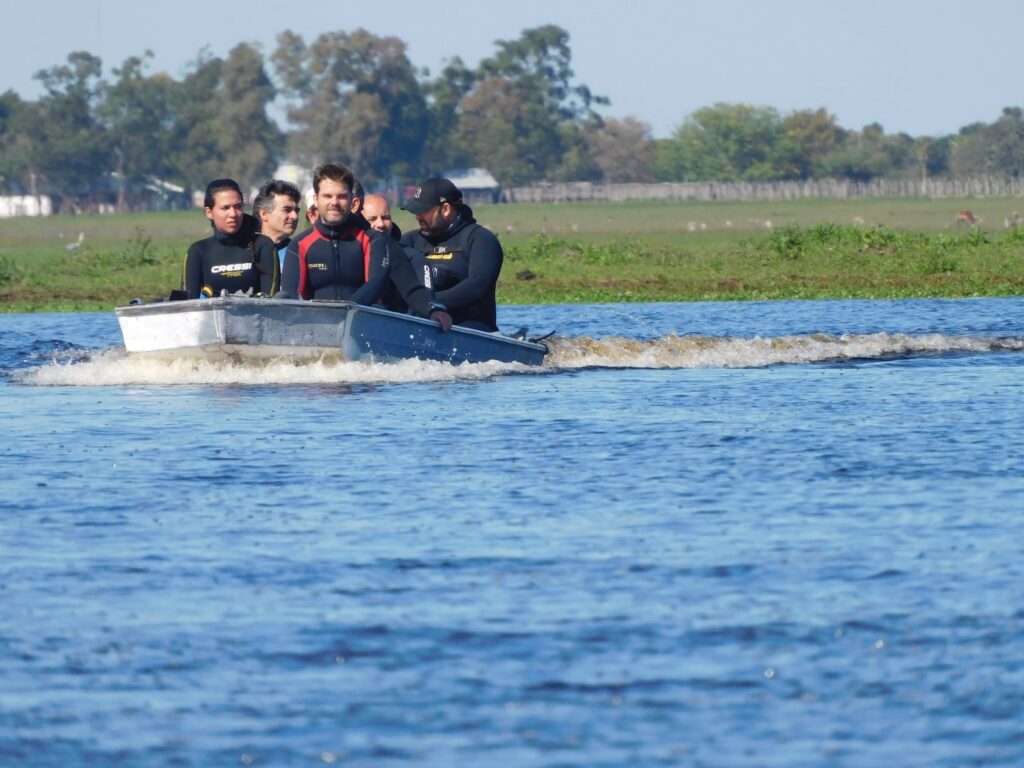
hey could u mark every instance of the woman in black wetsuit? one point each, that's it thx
(235, 257)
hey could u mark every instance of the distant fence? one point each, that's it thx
(740, 191)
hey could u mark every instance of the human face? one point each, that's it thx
(435, 220)
(282, 220)
(226, 213)
(375, 210)
(334, 201)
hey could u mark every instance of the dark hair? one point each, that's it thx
(266, 197)
(357, 189)
(333, 172)
(220, 185)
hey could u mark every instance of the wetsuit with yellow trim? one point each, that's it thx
(349, 262)
(243, 261)
(462, 265)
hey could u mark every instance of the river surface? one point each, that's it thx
(767, 534)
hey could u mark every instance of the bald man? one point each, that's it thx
(378, 213)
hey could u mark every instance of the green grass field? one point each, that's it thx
(644, 251)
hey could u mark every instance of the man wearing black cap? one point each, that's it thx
(458, 258)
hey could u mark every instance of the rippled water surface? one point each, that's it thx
(772, 534)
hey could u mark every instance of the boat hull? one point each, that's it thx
(273, 328)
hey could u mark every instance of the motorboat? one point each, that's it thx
(261, 328)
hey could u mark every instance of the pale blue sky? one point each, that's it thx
(926, 67)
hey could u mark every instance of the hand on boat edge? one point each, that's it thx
(443, 319)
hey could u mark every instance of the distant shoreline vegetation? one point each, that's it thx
(593, 252)
(120, 138)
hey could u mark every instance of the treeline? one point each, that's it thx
(355, 97)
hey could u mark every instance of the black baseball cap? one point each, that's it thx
(431, 193)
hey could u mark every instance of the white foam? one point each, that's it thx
(113, 367)
(710, 352)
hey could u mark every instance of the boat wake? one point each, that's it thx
(114, 367)
(734, 352)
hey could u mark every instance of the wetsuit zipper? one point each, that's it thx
(337, 266)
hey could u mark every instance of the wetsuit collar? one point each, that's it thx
(348, 227)
(224, 237)
(463, 219)
(245, 233)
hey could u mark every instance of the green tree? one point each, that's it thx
(138, 113)
(194, 152)
(870, 153)
(933, 155)
(500, 128)
(970, 151)
(221, 125)
(249, 141)
(730, 142)
(540, 63)
(668, 161)
(524, 118)
(808, 137)
(20, 143)
(354, 98)
(73, 147)
(443, 97)
(1006, 142)
(622, 150)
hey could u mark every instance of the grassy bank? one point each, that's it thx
(589, 253)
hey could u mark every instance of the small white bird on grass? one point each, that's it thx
(77, 244)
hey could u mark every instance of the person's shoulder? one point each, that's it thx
(200, 245)
(377, 239)
(264, 242)
(303, 236)
(478, 232)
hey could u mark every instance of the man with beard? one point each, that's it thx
(341, 257)
(459, 259)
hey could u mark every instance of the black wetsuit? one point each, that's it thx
(392, 298)
(463, 262)
(349, 262)
(239, 262)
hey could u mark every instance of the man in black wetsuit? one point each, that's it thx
(341, 257)
(460, 259)
(235, 257)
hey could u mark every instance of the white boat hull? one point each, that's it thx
(274, 328)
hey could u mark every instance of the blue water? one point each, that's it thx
(770, 534)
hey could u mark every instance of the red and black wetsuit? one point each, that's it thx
(464, 262)
(239, 262)
(349, 262)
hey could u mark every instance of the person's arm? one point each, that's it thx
(192, 272)
(380, 272)
(419, 298)
(485, 258)
(290, 273)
